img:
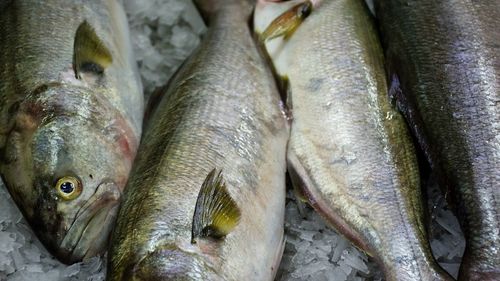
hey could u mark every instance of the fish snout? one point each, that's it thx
(171, 264)
(88, 234)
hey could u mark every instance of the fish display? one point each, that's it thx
(71, 109)
(206, 196)
(350, 153)
(444, 66)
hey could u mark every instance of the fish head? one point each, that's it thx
(65, 163)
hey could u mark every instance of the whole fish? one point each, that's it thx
(444, 63)
(350, 151)
(71, 110)
(206, 196)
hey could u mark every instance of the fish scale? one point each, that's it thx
(59, 131)
(357, 167)
(221, 110)
(445, 55)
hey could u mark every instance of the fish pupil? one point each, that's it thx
(67, 187)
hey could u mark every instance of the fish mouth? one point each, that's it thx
(88, 234)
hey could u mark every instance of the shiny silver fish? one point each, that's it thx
(444, 65)
(71, 108)
(350, 153)
(206, 196)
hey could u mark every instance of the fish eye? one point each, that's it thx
(68, 187)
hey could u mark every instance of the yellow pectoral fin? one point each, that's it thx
(286, 24)
(216, 213)
(89, 52)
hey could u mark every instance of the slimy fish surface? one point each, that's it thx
(350, 153)
(71, 108)
(444, 64)
(206, 197)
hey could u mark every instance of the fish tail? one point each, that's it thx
(208, 8)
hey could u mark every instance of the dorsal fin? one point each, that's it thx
(286, 24)
(89, 52)
(216, 214)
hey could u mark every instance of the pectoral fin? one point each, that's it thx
(216, 213)
(89, 52)
(288, 22)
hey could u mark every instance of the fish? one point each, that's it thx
(350, 154)
(71, 109)
(444, 68)
(206, 195)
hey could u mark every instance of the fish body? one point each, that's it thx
(220, 112)
(71, 108)
(443, 59)
(350, 151)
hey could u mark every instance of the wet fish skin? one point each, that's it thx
(222, 110)
(53, 125)
(444, 55)
(350, 150)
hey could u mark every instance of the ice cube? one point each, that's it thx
(137, 8)
(169, 15)
(341, 245)
(71, 270)
(345, 267)
(34, 267)
(32, 253)
(6, 265)
(448, 222)
(93, 264)
(452, 268)
(193, 18)
(19, 260)
(183, 38)
(307, 235)
(8, 242)
(355, 261)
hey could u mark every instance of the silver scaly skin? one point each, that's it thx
(350, 152)
(222, 110)
(67, 144)
(443, 58)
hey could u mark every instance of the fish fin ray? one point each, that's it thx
(89, 52)
(286, 24)
(216, 213)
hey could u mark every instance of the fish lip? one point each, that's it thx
(106, 200)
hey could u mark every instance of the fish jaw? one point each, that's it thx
(65, 132)
(88, 234)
